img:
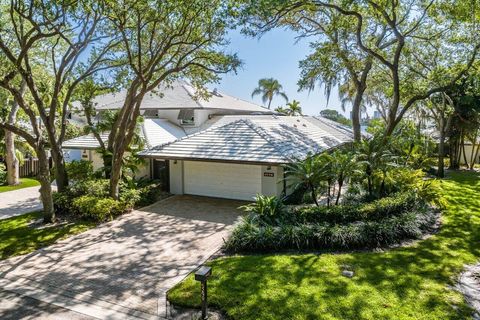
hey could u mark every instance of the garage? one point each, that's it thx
(222, 180)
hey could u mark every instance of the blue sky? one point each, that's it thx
(274, 55)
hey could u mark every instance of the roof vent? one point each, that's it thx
(216, 93)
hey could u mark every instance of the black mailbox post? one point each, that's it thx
(202, 275)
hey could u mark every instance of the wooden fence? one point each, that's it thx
(31, 168)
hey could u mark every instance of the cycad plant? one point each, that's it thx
(305, 174)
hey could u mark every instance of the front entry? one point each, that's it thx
(161, 172)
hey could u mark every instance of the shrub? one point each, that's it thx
(249, 236)
(97, 187)
(98, 209)
(382, 222)
(80, 170)
(3, 174)
(378, 209)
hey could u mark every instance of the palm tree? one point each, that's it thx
(305, 174)
(281, 110)
(268, 88)
(344, 165)
(293, 108)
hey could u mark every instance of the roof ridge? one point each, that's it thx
(183, 85)
(267, 137)
(340, 127)
(213, 127)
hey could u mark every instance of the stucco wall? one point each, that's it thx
(176, 176)
(272, 181)
(468, 154)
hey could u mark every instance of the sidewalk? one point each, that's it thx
(17, 202)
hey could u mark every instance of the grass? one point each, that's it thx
(412, 282)
(18, 237)
(24, 183)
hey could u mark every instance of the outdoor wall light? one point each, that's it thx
(174, 161)
(269, 168)
(202, 275)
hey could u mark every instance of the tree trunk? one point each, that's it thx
(314, 194)
(357, 103)
(45, 185)
(115, 176)
(61, 176)
(269, 103)
(441, 150)
(340, 184)
(13, 176)
(11, 160)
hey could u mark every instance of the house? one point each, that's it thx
(223, 147)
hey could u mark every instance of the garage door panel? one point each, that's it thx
(223, 180)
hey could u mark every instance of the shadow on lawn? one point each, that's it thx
(404, 283)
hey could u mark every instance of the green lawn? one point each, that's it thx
(17, 237)
(24, 183)
(405, 283)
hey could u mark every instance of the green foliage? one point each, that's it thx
(372, 211)
(97, 209)
(24, 183)
(269, 88)
(3, 174)
(268, 226)
(80, 170)
(267, 209)
(334, 115)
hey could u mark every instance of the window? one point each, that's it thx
(186, 117)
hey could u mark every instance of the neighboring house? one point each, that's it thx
(223, 147)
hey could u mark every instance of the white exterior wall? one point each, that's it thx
(170, 115)
(468, 153)
(272, 185)
(176, 176)
(201, 116)
(96, 159)
(236, 181)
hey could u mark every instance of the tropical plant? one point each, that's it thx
(344, 165)
(376, 158)
(293, 108)
(269, 88)
(305, 174)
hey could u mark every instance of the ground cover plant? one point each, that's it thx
(24, 183)
(413, 282)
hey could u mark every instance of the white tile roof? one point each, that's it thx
(155, 132)
(180, 95)
(265, 139)
(85, 142)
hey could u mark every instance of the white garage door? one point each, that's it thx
(222, 180)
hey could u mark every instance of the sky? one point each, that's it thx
(275, 55)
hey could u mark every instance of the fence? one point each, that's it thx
(31, 168)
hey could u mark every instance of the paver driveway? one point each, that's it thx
(122, 269)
